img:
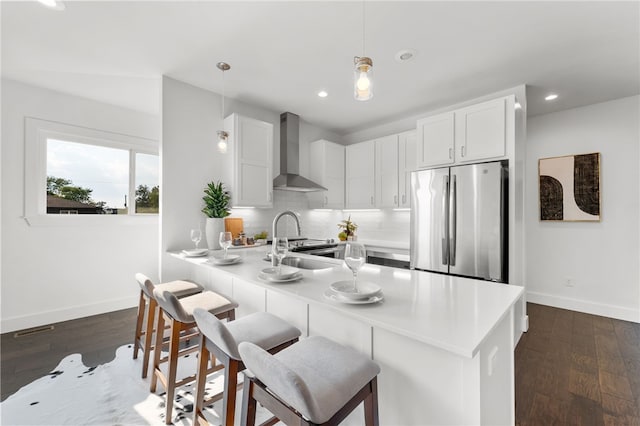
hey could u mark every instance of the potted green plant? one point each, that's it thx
(216, 208)
(348, 229)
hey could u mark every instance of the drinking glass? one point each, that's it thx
(196, 236)
(279, 248)
(225, 241)
(355, 256)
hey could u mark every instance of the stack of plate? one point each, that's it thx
(344, 292)
(229, 260)
(196, 252)
(287, 274)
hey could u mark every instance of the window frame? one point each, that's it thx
(37, 131)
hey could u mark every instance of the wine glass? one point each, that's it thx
(355, 256)
(279, 248)
(225, 241)
(196, 236)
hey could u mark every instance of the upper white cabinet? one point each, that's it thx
(360, 175)
(480, 131)
(474, 133)
(250, 150)
(406, 164)
(436, 139)
(326, 167)
(386, 172)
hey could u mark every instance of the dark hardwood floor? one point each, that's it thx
(577, 369)
(571, 368)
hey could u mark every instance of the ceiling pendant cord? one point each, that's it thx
(222, 134)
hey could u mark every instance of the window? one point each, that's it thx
(83, 172)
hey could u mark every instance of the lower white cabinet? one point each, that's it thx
(340, 328)
(290, 309)
(250, 298)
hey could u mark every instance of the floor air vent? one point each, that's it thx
(31, 331)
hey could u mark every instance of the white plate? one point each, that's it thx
(286, 272)
(195, 252)
(229, 260)
(274, 279)
(331, 295)
(366, 289)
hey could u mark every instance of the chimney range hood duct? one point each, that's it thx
(289, 178)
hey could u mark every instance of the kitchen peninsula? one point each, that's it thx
(445, 344)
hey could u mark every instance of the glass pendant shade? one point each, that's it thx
(222, 141)
(362, 78)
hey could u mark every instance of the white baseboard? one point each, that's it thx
(65, 314)
(611, 311)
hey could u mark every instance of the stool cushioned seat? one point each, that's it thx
(315, 376)
(182, 310)
(180, 288)
(260, 328)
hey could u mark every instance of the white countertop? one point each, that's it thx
(452, 313)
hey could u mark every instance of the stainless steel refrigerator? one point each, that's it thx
(459, 220)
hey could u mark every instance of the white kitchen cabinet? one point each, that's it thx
(250, 298)
(340, 328)
(250, 152)
(406, 164)
(326, 168)
(480, 131)
(436, 139)
(470, 134)
(289, 308)
(360, 175)
(386, 171)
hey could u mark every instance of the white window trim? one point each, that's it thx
(37, 132)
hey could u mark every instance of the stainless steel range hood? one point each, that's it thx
(289, 178)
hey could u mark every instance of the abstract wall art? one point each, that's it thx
(570, 188)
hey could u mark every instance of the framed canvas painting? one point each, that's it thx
(570, 188)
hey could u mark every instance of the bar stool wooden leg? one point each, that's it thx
(174, 347)
(248, 404)
(157, 351)
(230, 390)
(371, 405)
(203, 359)
(138, 333)
(151, 317)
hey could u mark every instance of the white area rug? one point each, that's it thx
(110, 394)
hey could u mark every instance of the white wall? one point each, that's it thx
(52, 274)
(190, 118)
(601, 257)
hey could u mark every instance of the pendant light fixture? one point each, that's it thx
(223, 135)
(362, 84)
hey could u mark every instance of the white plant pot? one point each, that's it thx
(213, 228)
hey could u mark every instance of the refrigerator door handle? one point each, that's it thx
(452, 218)
(445, 221)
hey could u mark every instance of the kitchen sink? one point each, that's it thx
(301, 263)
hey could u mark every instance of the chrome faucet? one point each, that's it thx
(284, 213)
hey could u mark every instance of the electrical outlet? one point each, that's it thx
(569, 282)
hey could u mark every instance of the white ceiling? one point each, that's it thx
(283, 53)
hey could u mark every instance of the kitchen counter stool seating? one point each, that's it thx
(148, 305)
(263, 329)
(179, 313)
(314, 382)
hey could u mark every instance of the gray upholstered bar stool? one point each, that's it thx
(262, 329)
(148, 307)
(179, 313)
(314, 382)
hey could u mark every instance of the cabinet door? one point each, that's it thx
(406, 164)
(386, 171)
(360, 175)
(480, 131)
(435, 140)
(252, 147)
(291, 309)
(250, 298)
(326, 167)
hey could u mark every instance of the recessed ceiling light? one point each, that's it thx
(323, 94)
(550, 97)
(405, 55)
(53, 4)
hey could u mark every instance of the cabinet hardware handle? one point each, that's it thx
(326, 200)
(270, 195)
(462, 151)
(372, 200)
(404, 198)
(450, 153)
(395, 199)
